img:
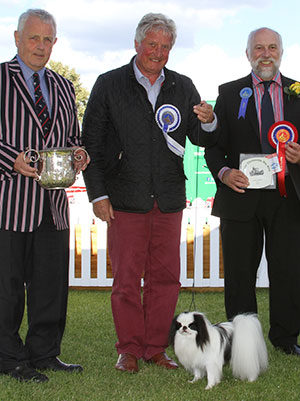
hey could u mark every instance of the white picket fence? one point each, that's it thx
(81, 214)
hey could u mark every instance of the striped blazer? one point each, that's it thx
(22, 198)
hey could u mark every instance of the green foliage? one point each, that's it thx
(89, 340)
(82, 94)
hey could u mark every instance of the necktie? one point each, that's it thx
(267, 118)
(40, 105)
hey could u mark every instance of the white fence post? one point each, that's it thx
(184, 280)
(103, 280)
(215, 280)
(72, 251)
(198, 220)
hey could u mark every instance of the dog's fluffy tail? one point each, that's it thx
(249, 355)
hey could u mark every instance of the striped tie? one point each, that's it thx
(40, 105)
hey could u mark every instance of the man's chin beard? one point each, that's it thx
(265, 74)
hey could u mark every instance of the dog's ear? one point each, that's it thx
(200, 326)
(173, 329)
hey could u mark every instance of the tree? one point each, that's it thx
(82, 94)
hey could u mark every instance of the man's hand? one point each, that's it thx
(235, 180)
(204, 112)
(104, 211)
(22, 166)
(292, 152)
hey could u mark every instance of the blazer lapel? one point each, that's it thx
(287, 110)
(53, 96)
(251, 113)
(22, 88)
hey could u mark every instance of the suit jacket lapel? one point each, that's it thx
(251, 113)
(286, 102)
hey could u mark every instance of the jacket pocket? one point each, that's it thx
(114, 166)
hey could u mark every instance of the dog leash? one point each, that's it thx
(192, 306)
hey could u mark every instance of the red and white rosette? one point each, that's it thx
(279, 134)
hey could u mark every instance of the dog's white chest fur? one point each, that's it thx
(186, 350)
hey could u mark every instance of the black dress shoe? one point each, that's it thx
(25, 373)
(56, 365)
(291, 350)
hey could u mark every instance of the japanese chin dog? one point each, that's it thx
(203, 348)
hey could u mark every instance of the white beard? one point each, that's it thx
(265, 73)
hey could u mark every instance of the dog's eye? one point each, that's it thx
(178, 325)
(193, 326)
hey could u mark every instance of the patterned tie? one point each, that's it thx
(267, 118)
(40, 105)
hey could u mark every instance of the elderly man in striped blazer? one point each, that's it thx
(34, 226)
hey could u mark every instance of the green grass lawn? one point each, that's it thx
(89, 340)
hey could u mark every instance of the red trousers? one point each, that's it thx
(144, 245)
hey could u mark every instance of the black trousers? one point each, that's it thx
(278, 219)
(35, 264)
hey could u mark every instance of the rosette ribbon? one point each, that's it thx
(279, 134)
(168, 119)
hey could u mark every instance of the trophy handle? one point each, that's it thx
(33, 158)
(80, 158)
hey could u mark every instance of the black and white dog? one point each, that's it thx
(203, 348)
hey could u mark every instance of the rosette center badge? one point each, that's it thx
(282, 132)
(168, 117)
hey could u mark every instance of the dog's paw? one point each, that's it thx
(195, 379)
(209, 386)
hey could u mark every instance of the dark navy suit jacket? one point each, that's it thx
(241, 135)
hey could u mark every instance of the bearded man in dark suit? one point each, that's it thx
(254, 199)
(34, 223)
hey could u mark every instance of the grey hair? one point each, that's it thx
(41, 14)
(253, 33)
(153, 21)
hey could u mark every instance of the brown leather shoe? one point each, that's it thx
(127, 363)
(163, 360)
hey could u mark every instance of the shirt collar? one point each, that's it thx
(257, 80)
(140, 76)
(28, 72)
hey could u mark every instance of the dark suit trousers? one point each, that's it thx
(34, 263)
(278, 219)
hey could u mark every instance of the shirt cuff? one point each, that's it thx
(210, 127)
(100, 198)
(222, 171)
